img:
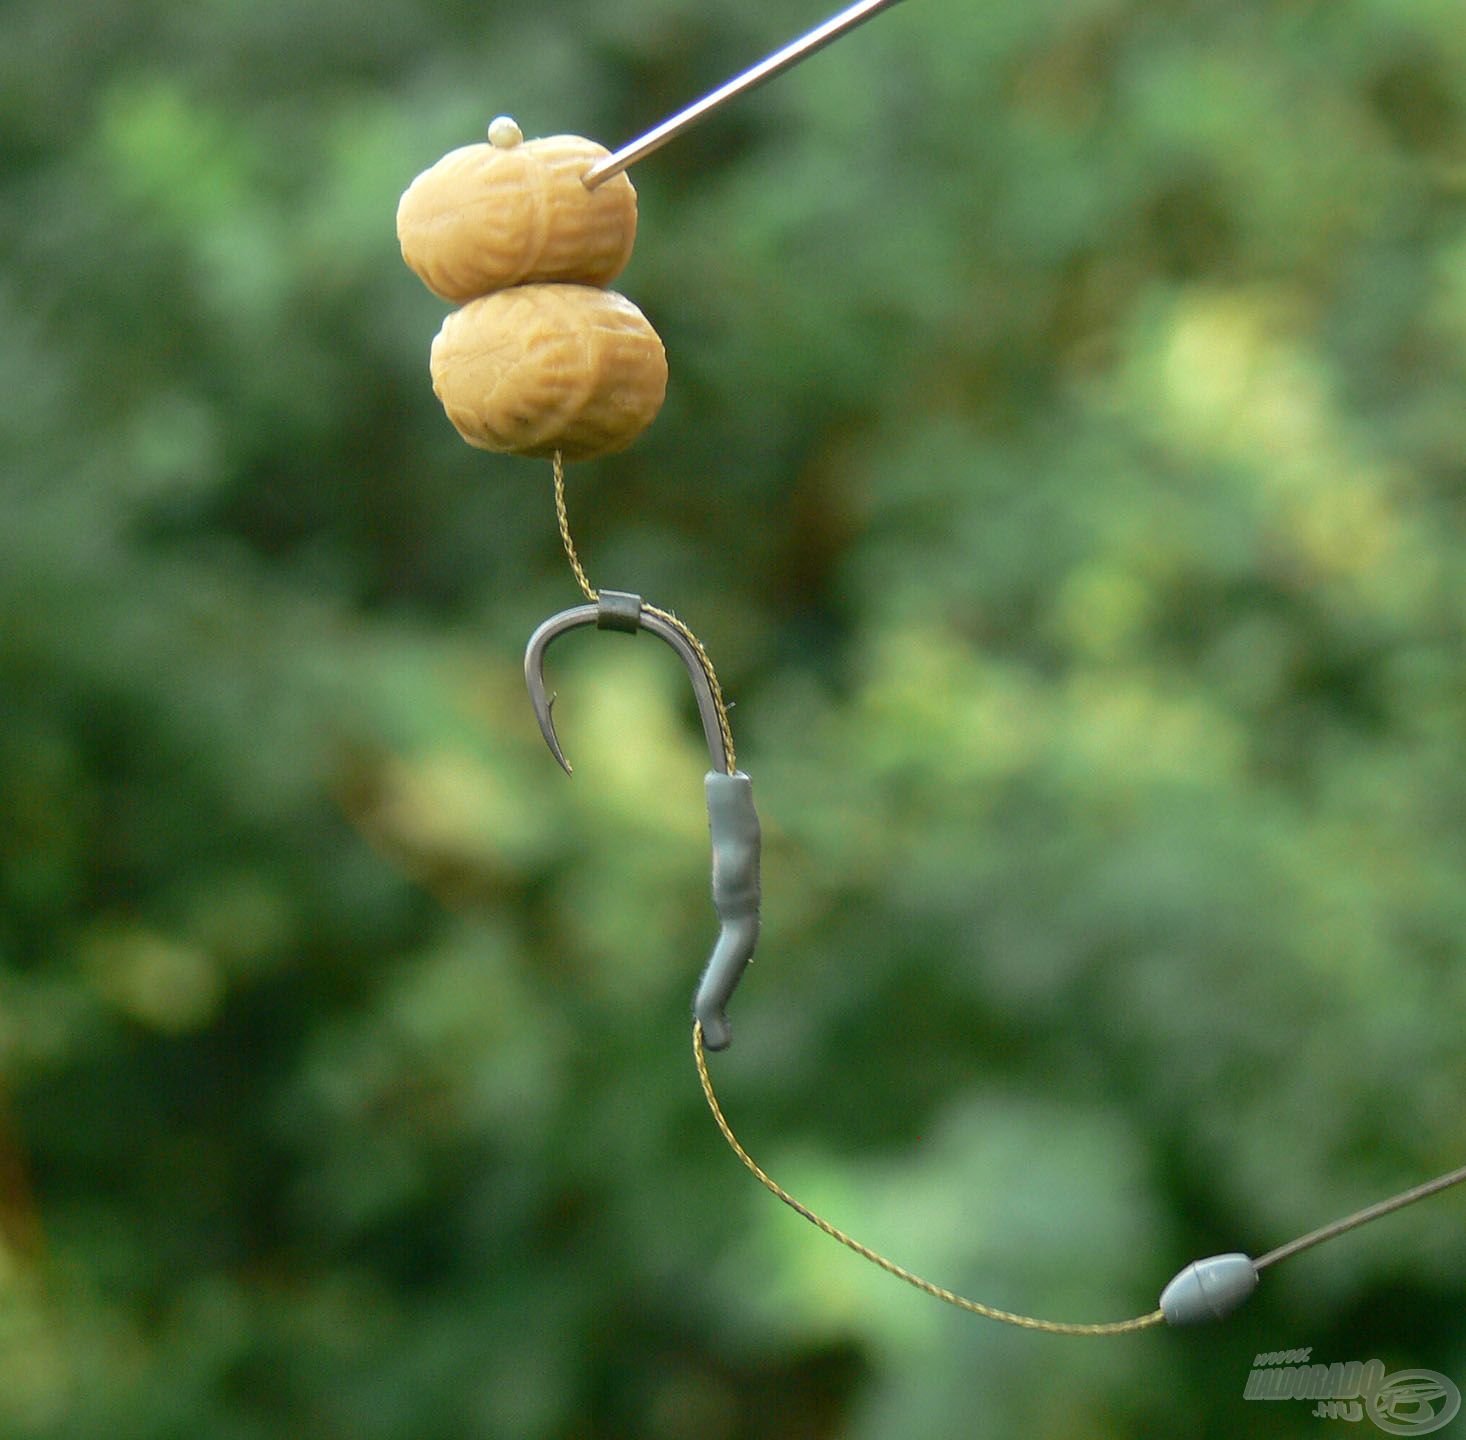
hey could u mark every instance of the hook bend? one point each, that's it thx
(617, 610)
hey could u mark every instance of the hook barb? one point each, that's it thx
(547, 727)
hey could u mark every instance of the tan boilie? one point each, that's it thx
(541, 368)
(541, 358)
(486, 217)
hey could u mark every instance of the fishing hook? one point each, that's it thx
(732, 819)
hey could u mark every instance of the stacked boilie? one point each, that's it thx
(541, 358)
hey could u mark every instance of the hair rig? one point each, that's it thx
(543, 360)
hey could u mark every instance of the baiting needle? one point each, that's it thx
(781, 60)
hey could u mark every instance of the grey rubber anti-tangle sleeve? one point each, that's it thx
(733, 824)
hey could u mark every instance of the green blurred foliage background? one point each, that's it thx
(1065, 464)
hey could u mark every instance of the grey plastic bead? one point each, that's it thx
(733, 824)
(1208, 1290)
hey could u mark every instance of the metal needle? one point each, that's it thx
(791, 54)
